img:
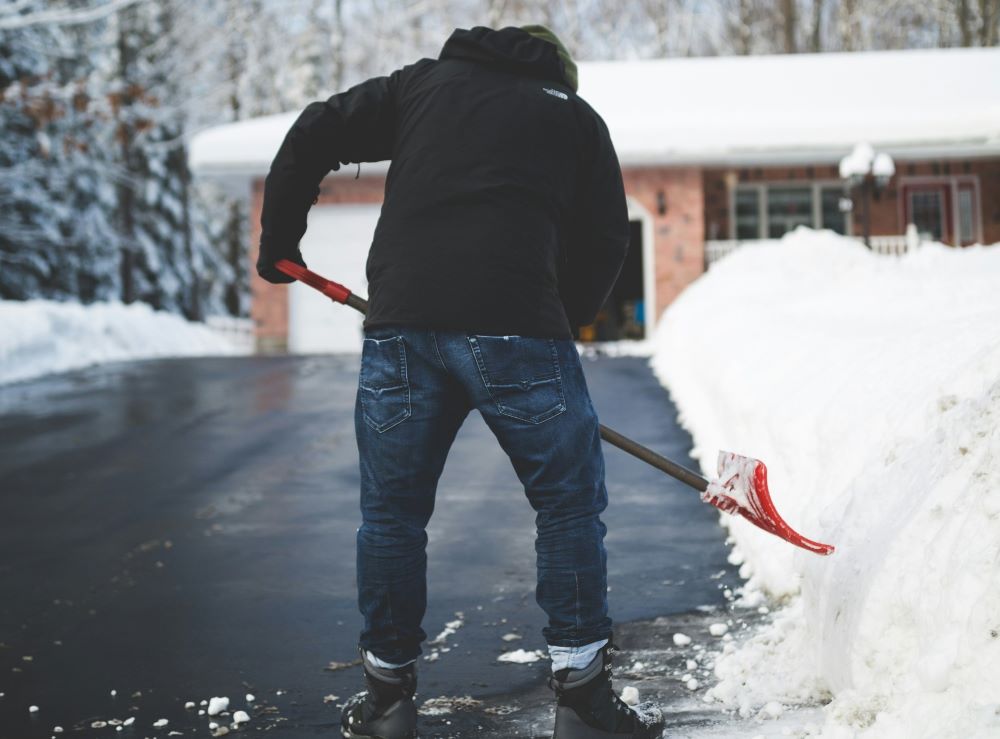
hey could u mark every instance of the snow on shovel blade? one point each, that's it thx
(742, 488)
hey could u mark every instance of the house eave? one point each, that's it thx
(798, 156)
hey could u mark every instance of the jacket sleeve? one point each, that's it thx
(354, 126)
(598, 234)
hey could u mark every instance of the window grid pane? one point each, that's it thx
(747, 214)
(788, 208)
(966, 217)
(927, 213)
(833, 217)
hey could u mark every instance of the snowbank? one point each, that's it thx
(871, 388)
(40, 336)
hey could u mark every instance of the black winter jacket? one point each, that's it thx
(504, 209)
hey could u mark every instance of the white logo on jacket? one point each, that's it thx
(556, 93)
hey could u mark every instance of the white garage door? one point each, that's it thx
(336, 246)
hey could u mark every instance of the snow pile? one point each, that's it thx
(40, 336)
(871, 388)
(521, 656)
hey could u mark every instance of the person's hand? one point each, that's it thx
(267, 270)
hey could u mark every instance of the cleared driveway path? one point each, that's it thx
(177, 530)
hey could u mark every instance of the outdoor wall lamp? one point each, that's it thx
(870, 171)
(661, 203)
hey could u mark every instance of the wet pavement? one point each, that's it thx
(176, 530)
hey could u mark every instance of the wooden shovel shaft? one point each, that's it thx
(647, 455)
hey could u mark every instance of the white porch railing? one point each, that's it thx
(716, 250)
(887, 245)
(891, 245)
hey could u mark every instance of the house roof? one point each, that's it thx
(719, 111)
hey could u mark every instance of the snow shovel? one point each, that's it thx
(742, 485)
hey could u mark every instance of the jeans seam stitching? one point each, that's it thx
(407, 410)
(437, 350)
(504, 410)
(576, 614)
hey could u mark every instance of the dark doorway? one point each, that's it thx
(623, 315)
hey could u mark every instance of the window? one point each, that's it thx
(927, 212)
(748, 225)
(769, 211)
(788, 208)
(831, 216)
(966, 214)
(945, 209)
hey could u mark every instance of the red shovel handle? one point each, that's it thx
(333, 290)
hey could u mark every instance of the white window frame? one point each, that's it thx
(761, 187)
(637, 212)
(952, 182)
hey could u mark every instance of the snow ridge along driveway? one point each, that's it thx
(871, 388)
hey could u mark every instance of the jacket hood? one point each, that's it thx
(511, 49)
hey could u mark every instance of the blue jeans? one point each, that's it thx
(416, 388)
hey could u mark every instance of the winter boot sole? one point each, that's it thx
(395, 723)
(570, 726)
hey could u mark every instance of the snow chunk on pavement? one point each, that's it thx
(630, 695)
(241, 717)
(449, 628)
(717, 629)
(160, 723)
(521, 656)
(681, 640)
(217, 706)
(772, 710)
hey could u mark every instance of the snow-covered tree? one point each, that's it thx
(99, 97)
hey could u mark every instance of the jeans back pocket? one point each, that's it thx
(384, 388)
(522, 375)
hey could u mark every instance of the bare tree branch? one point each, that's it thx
(65, 17)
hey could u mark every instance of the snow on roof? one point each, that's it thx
(807, 108)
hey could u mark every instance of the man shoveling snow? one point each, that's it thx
(504, 224)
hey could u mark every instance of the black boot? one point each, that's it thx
(588, 707)
(386, 710)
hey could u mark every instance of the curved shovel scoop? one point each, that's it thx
(742, 489)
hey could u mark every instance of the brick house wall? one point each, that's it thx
(686, 206)
(671, 197)
(886, 208)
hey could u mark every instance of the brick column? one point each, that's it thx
(678, 231)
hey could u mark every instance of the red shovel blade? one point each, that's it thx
(742, 488)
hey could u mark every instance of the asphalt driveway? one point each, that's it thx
(176, 530)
